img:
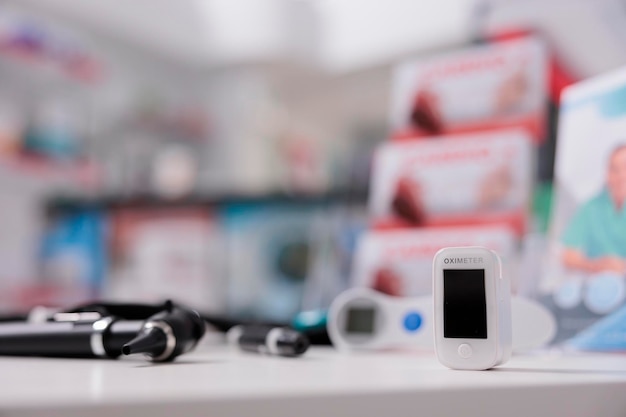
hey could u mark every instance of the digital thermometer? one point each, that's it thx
(361, 318)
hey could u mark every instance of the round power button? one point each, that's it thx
(465, 351)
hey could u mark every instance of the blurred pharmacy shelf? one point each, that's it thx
(347, 197)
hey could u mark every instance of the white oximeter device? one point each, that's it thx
(472, 309)
(364, 319)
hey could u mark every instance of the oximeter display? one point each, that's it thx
(464, 304)
(360, 320)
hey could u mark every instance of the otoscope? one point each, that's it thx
(161, 337)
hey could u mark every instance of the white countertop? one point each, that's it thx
(218, 381)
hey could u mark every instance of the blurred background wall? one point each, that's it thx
(219, 151)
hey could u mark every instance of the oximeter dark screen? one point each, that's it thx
(464, 304)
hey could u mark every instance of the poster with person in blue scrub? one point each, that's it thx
(595, 238)
(585, 279)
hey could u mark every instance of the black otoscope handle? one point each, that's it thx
(161, 337)
(102, 338)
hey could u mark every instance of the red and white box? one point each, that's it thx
(497, 85)
(454, 180)
(168, 253)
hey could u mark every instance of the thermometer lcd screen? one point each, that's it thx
(360, 320)
(464, 304)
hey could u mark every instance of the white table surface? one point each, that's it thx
(218, 381)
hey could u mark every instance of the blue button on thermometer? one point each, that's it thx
(412, 321)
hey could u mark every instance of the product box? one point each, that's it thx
(270, 252)
(73, 259)
(501, 84)
(584, 280)
(12, 124)
(400, 262)
(334, 237)
(175, 253)
(287, 256)
(481, 178)
(44, 256)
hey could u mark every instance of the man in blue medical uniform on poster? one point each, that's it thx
(595, 239)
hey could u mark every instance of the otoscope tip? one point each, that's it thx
(151, 342)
